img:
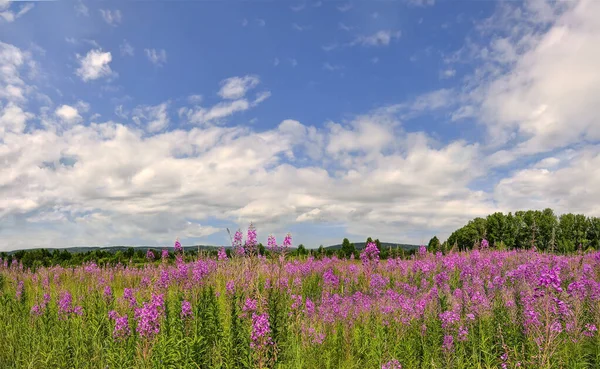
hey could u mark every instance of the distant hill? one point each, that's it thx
(113, 249)
(384, 245)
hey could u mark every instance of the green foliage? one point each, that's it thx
(434, 245)
(528, 229)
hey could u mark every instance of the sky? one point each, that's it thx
(139, 122)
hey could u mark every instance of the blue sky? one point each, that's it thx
(138, 122)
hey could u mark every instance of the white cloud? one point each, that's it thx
(301, 28)
(380, 38)
(106, 183)
(216, 113)
(111, 17)
(344, 27)
(81, 9)
(155, 118)
(157, 57)
(236, 87)
(195, 99)
(126, 48)
(94, 65)
(244, 22)
(536, 86)
(11, 16)
(276, 61)
(447, 73)
(234, 90)
(13, 119)
(261, 22)
(331, 67)
(68, 114)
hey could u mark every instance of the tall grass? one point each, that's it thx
(483, 309)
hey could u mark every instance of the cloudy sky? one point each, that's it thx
(139, 122)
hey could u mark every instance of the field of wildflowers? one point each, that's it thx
(478, 309)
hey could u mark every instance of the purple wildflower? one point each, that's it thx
(178, 248)
(392, 364)
(222, 254)
(150, 255)
(186, 309)
(261, 331)
(448, 344)
(251, 242)
(370, 255)
(230, 287)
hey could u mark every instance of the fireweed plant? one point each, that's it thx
(479, 309)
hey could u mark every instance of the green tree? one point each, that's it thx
(347, 248)
(434, 245)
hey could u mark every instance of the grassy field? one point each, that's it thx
(482, 309)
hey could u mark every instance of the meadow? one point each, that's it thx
(484, 308)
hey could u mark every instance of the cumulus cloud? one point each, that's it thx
(236, 87)
(155, 118)
(68, 114)
(13, 119)
(156, 57)
(371, 174)
(537, 87)
(94, 65)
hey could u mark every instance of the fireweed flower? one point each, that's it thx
(463, 334)
(148, 317)
(370, 255)
(129, 297)
(178, 248)
(330, 279)
(261, 331)
(108, 295)
(485, 244)
(238, 248)
(250, 306)
(251, 242)
(287, 242)
(121, 330)
(164, 255)
(272, 244)
(20, 287)
(590, 330)
(222, 254)
(448, 344)
(392, 364)
(230, 287)
(149, 255)
(186, 309)
(65, 307)
(310, 307)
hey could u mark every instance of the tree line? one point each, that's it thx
(37, 258)
(542, 230)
